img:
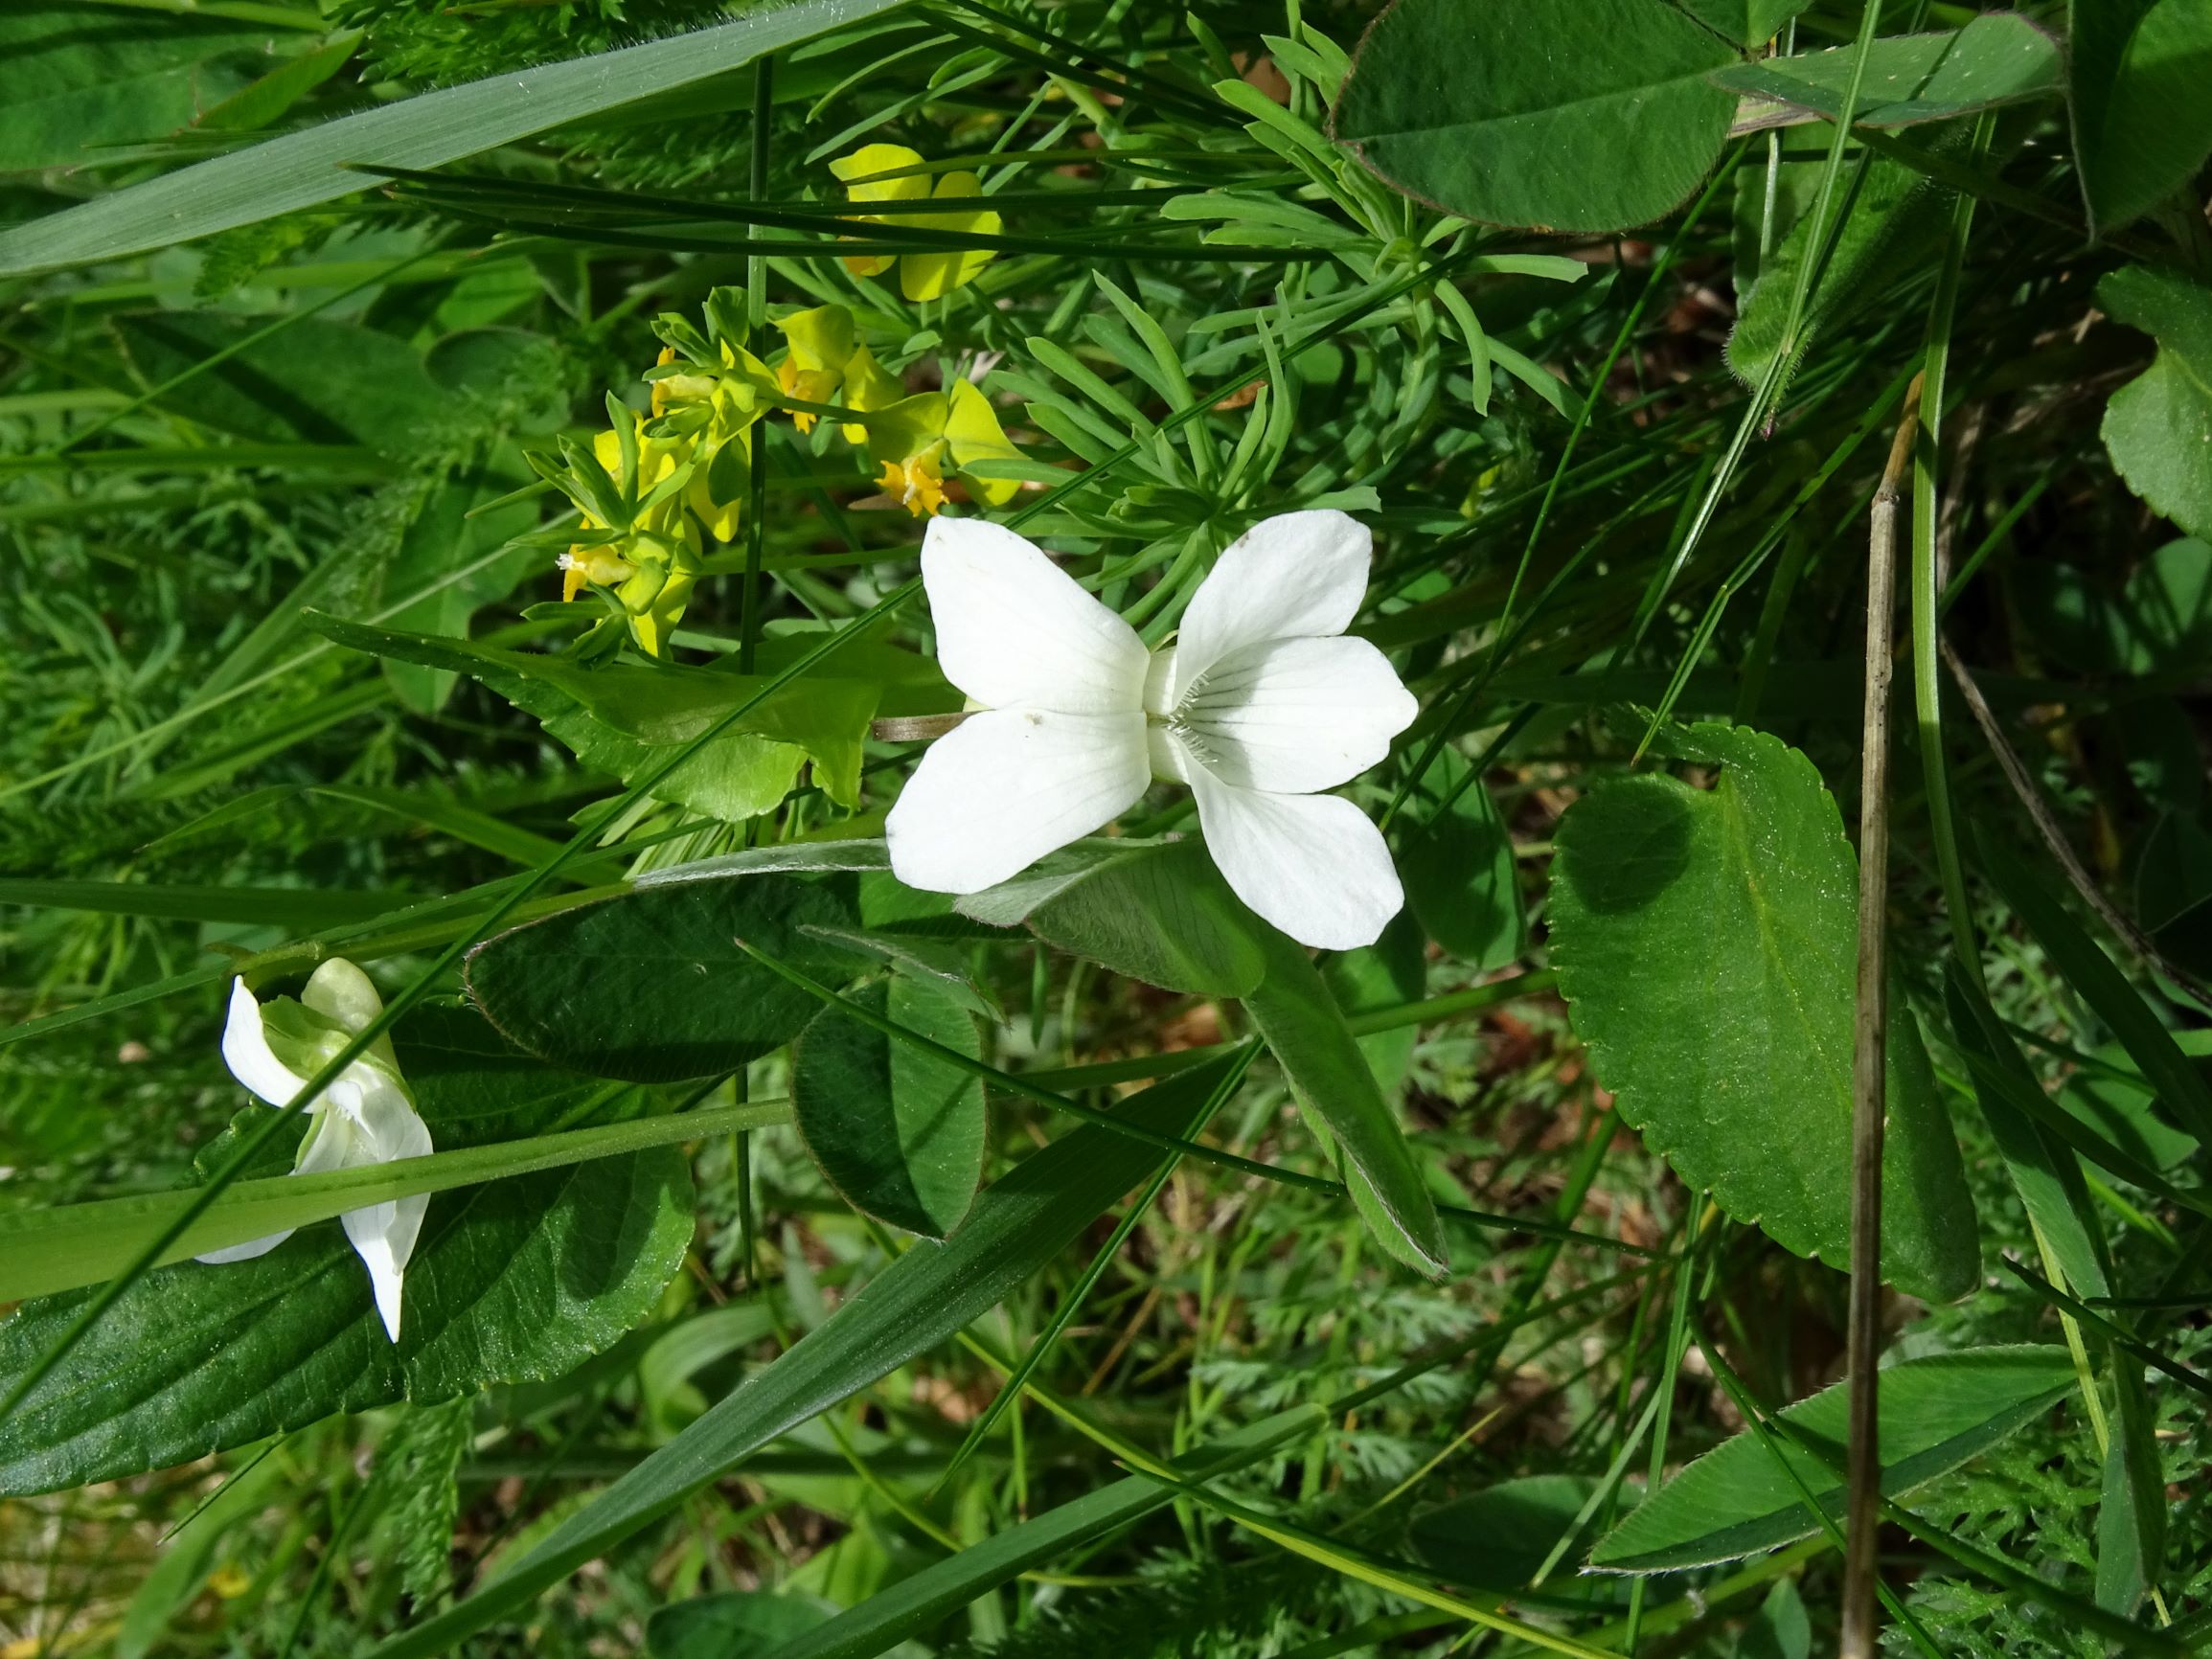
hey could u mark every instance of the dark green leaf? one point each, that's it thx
(2131, 1508)
(2180, 1086)
(1458, 868)
(1896, 221)
(735, 1622)
(627, 718)
(1019, 1223)
(1935, 1414)
(1389, 973)
(1997, 58)
(651, 985)
(1746, 22)
(312, 381)
(74, 83)
(898, 1130)
(1335, 1089)
(1159, 914)
(2158, 427)
(1500, 1537)
(1563, 115)
(2137, 71)
(514, 1280)
(458, 556)
(321, 164)
(1706, 943)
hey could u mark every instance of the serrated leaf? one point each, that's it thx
(510, 1280)
(1562, 115)
(1706, 943)
(1936, 1414)
(898, 1131)
(651, 985)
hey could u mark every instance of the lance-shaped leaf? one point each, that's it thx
(1935, 1414)
(1997, 58)
(1706, 941)
(1018, 1224)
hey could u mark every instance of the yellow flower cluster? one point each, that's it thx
(913, 439)
(921, 276)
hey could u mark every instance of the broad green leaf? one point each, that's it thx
(442, 544)
(2180, 1088)
(1706, 943)
(321, 164)
(1336, 1091)
(1499, 1538)
(1458, 868)
(1561, 115)
(1162, 915)
(627, 718)
(312, 381)
(1935, 1414)
(516, 1280)
(1750, 23)
(2158, 427)
(74, 84)
(898, 1131)
(651, 985)
(732, 1622)
(1018, 1224)
(2000, 58)
(2143, 124)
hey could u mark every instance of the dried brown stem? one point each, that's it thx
(1862, 1516)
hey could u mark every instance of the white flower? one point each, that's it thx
(365, 1115)
(1258, 705)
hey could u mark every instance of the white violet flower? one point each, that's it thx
(365, 1115)
(1259, 704)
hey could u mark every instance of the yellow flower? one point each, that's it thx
(921, 276)
(911, 438)
(915, 484)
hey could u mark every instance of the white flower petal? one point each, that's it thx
(244, 1252)
(245, 1048)
(1296, 575)
(1015, 630)
(1004, 787)
(1311, 864)
(381, 1128)
(1294, 715)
